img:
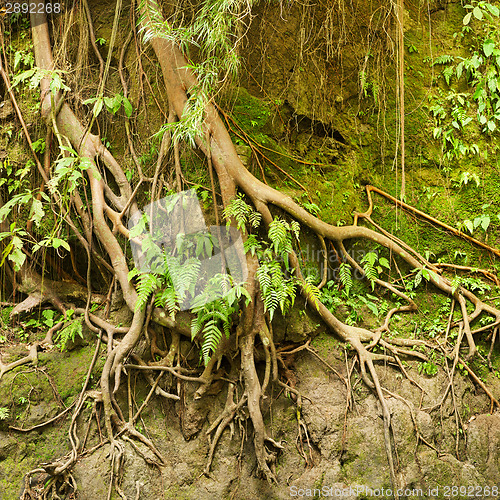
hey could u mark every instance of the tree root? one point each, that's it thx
(425, 216)
(32, 357)
(114, 204)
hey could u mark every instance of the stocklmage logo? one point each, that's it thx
(170, 237)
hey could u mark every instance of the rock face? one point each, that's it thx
(340, 452)
(341, 455)
(483, 445)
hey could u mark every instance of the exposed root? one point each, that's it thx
(480, 383)
(224, 419)
(115, 204)
(32, 357)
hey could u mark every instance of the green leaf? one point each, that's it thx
(56, 83)
(488, 47)
(98, 106)
(117, 102)
(469, 225)
(108, 101)
(36, 213)
(17, 59)
(418, 278)
(485, 221)
(467, 18)
(57, 242)
(384, 262)
(478, 13)
(23, 76)
(18, 258)
(373, 307)
(493, 9)
(127, 107)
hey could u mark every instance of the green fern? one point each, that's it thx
(212, 321)
(345, 276)
(369, 269)
(242, 213)
(277, 291)
(184, 275)
(252, 245)
(214, 317)
(69, 333)
(295, 228)
(148, 283)
(279, 234)
(211, 338)
(312, 291)
(168, 298)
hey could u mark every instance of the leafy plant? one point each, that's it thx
(113, 104)
(466, 178)
(312, 208)
(242, 213)
(69, 332)
(214, 318)
(482, 221)
(373, 266)
(428, 368)
(35, 75)
(24, 58)
(14, 248)
(48, 319)
(68, 171)
(345, 277)
(481, 72)
(469, 283)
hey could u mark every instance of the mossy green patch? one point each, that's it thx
(69, 369)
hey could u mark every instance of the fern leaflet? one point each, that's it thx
(345, 276)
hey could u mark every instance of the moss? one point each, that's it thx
(32, 450)
(70, 369)
(251, 113)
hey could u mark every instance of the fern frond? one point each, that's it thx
(251, 244)
(295, 227)
(211, 338)
(369, 268)
(148, 283)
(242, 213)
(313, 293)
(167, 298)
(345, 276)
(278, 234)
(255, 218)
(370, 273)
(196, 326)
(69, 333)
(271, 302)
(263, 277)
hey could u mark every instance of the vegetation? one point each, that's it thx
(70, 219)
